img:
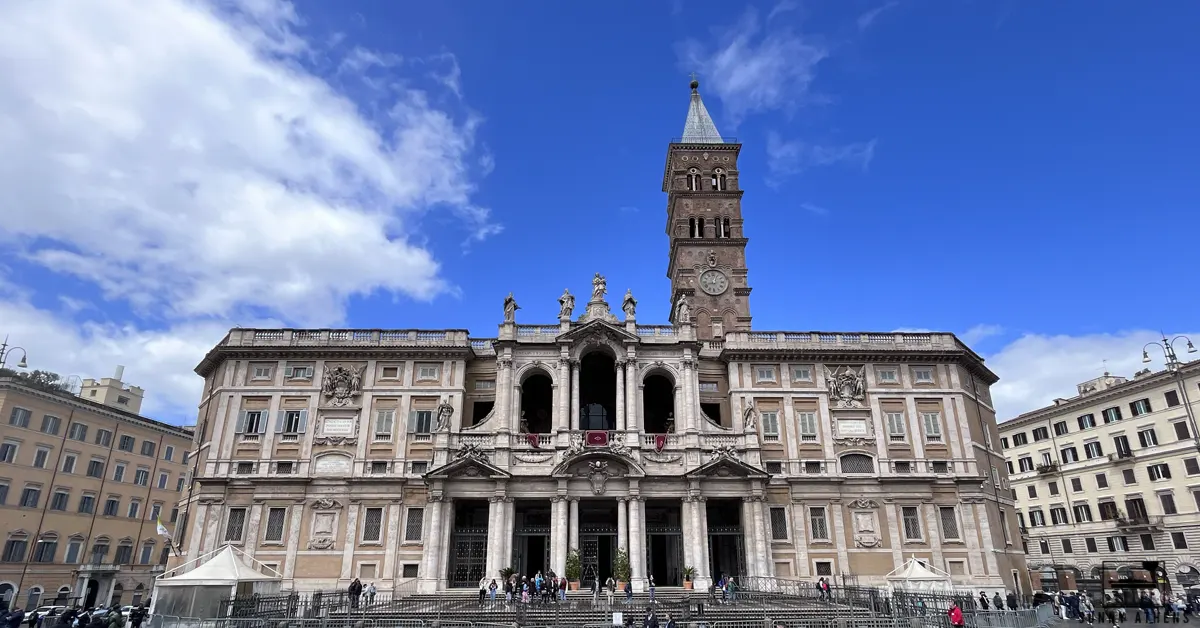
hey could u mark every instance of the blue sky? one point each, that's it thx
(1020, 173)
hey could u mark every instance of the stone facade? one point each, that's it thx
(429, 458)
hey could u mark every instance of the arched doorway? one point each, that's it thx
(537, 403)
(93, 591)
(6, 595)
(658, 404)
(598, 392)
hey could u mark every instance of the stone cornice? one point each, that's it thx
(70, 400)
(220, 354)
(1073, 405)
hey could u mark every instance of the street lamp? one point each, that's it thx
(6, 351)
(1174, 365)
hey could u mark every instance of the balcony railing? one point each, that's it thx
(817, 341)
(347, 338)
(1046, 469)
(1121, 456)
(1136, 522)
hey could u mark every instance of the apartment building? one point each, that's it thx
(1107, 483)
(81, 484)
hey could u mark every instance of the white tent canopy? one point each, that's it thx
(913, 576)
(197, 588)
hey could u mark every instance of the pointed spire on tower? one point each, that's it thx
(699, 128)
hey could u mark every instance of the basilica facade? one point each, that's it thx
(429, 459)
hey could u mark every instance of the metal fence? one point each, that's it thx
(1028, 618)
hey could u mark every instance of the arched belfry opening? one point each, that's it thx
(658, 404)
(537, 402)
(597, 392)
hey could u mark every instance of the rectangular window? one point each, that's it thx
(1066, 545)
(292, 421)
(1053, 486)
(933, 426)
(1111, 415)
(40, 457)
(912, 523)
(275, 523)
(1181, 430)
(420, 422)
(68, 463)
(14, 551)
(147, 554)
(1160, 471)
(112, 506)
(179, 484)
(1147, 542)
(1101, 481)
(414, 526)
(427, 373)
(73, 549)
(306, 372)
(372, 525)
(148, 447)
(1168, 503)
(1040, 434)
(51, 424)
(168, 453)
(252, 422)
(1179, 540)
(922, 375)
(1091, 545)
(119, 473)
(1020, 439)
(1118, 544)
(104, 438)
(808, 426)
(1032, 490)
(125, 443)
(30, 497)
(124, 555)
(816, 517)
(420, 467)
(77, 431)
(1083, 513)
(779, 526)
(1003, 442)
(1172, 398)
(1121, 443)
(770, 425)
(802, 374)
(1093, 450)
(141, 477)
(163, 478)
(896, 431)
(95, 469)
(155, 511)
(1069, 454)
(135, 509)
(1191, 466)
(764, 374)
(233, 527)
(1108, 511)
(1058, 516)
(8, 451)
(1087, 421)
(44, 551)
(261, 373)
(1060, 428)
(1044, 546)
(1076, 485)
(949, 522)
(87, 504)
(1025, 463)
(705, 387)
(59, 501)
(19, 417)
(1139, 407)
(887, 376)
(1147, 437)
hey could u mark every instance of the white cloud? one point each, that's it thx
(1035, 368)
(866, 19)
(754, 69)
(814, 209)
(181, 157)
(979, 333)
(790, 157)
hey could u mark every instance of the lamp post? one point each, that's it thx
(6, 351)
(1175, 366)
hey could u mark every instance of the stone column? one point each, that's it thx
(503, 392)
(562, 413)
(632, 417)
(637, 543)
(621, 398)
(573, 537)
(506, 534)
(558, 535)
(691, 535)
(688, 411)
(574, 402)
(622, 524)
(749, 538)
(353, 512)
(495, 545)
(429, 571)
(704, 574)
(767, 535)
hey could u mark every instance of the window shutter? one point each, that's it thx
(241, 422)
(263, 415)
(412, 422)
(289, 372)
(303, 421)
(279, 420)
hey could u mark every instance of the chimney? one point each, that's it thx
(120, 371)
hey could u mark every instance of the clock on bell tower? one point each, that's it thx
(704, 224)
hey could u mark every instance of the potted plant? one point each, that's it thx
(505, 574)
(574, 569)
(688, 573)
(621, 568)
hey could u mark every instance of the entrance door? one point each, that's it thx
(93, 591)
(664, 556)
(469, 556)
(726, 557)
(596, 557)
(531, 554)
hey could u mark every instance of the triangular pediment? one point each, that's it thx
(468, 467)
(727, 467)
(598, 329)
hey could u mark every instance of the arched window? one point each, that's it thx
(124, 553)
(118, 591)
(857, 463)
(725, 228)
(64, 594)
(700, 227)
(35, 597)
(15, 547)
(100, 550)
(693, 180)
(46, 548)
(691, 227)
(718, 179)
(138, 593)
(147, 553)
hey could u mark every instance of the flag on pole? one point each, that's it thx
(162, 531)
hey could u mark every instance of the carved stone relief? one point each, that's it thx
(342, 385)
(847, 386)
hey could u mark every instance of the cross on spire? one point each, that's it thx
(693, 75)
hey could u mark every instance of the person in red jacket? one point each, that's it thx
(956, 614)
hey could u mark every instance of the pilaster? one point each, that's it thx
(637, 536)
(573, 537)
(566, 387)
(623, 524)
(495, 546)
(352, 513)
(621, 418)
(574, 395)
(702, 565)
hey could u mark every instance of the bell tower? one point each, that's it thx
(704, 224)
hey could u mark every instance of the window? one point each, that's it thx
(887, 376)
(1061, 429)
(1003, 442)
(1076, 485)
(119, 472)
(1139, 407)
(802, 374)
(306, 372)
(933, 426)
(378, 467)
(168, 453)
(51, 424)
(693, 182)
(73, 549)
(68, 463)
(124, 554)
(779, 526)
(420, 467)
(817, 524)
(40, 457)
(922, 375)
(174, 515)
(1008, 463)
(1093, 449)
(1053, 486)
(1069, 454)
(1040, 434)
(1066, 546)
(1111, 415)
(1091, 545)
(808, 426)
(1191, 466)
(261, 373)
(125, 443)
(95, 469)
(1037, 518)
(857, 463)
(770, 425)
(233, 527)
(275, 523)
(1025, 463)
(19, 417)
(895, 422)
(1147, 542)
(764, 374)
(774, 467)
(940, 467)
(718, 179)
(163, 478)
(292, 422)
(244, 468)
(1121, 443)
(709, 387)
(1044, 546)
(1083, 513)
(1032, 490)
(147, 554)
(155, 511)
(112, 506)
(77, 431)
(59, 500)
(104, 438)
(415, 524)
(179, 484)
(1086, 421)
(1118, 544)
(1179, 540)
(1172, 398)
(252, 422)
(1181, 430)
(1128, 476)
(1167, 500)
(1108, 510)
(14, 550)
(87, 504)
(8, 451)
(1101, 481)
(912, 523)
(1147, 437)
(1047, 459)
(1160, 471)
(372, 525)
(31, 496)
(135, 509)
(141, 477)
(420, 421)
(428, 372)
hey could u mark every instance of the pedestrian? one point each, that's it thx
(492, 592)
(137, 616)
(955, 614)
(628, 593)
(371, 594)
(997, 602)
(483, 586)
(651, 588)
(595, 591)
(355, 592)
(610, 586)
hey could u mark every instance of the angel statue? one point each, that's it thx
(683, 311)
(510, 309)
(750, 417)
(599, 287)
(629, 305)
(566, 303)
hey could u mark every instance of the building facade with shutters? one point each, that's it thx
(1107, 483)
(431, 458)
(81, 486)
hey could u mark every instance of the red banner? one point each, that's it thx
(660, 442)
(533, 440)
(596, 438)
